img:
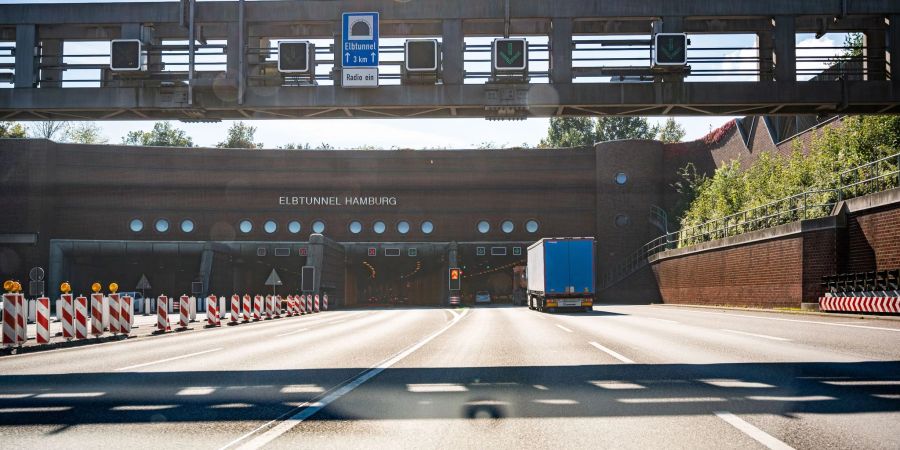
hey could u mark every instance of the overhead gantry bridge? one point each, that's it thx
(218, 60)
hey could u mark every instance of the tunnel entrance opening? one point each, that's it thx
(396, 275)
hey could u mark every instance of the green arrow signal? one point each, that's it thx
(670, 51)
(509, 56)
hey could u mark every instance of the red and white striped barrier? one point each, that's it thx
(316, 302)
(296, 305)
(257, 307)
(302, 301)
(184, 312)
(21, 319)
(115, 308)
(10, 320)
(126, 313)
(212, 311)
(81, 318)
(247, 308)
(270, 307)
(97, 315)
(235, 308)
(325, 302)
(860, 304)
(162, 315)
(42, 320)
(292, 305)
(278, 302)
(67, 316)
(309, 304)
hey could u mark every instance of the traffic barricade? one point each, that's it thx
(247, 307)
(302, 305)
(97, 314)
(126, 314)
(257, 307)
(212, 311)
(66, 313)
(192, 303)
(278, 303)
(184, 312)
(115, 308)
(10, 320)
(235, 309)
(270, 307)
(309, 304)
(42, 320)
(316, 303)
(162, 315)
(21, 324)
(81, 317)
(325, 302)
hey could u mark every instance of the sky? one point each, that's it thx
(450, 133)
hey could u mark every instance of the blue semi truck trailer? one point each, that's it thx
(560, 274)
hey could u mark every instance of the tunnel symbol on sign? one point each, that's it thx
(361, 29)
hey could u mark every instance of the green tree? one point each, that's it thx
(163, 134)
(11, 130)
(295, 146)
(616, 128)
(86, 133)
(569, 132)
(671, 132)
(240, 135)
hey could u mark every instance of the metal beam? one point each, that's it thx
(26, 60)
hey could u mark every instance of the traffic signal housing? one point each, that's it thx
(670, 49)
(509, 56)
(296, 57)
(421, 61)
(455, 279)
(126, 55)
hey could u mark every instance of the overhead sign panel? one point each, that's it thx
(670, 49)
(359, 49)
(421, 55)
(510, 55)
(293, 56)
(126, 55)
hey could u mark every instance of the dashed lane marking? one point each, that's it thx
(758, 435)
(137, 366)
(612, 353)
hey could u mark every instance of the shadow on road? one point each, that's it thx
(408, 393)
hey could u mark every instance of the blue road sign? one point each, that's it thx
(359, 39)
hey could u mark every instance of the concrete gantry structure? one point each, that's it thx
(249, 86)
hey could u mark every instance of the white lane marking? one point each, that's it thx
(729, 383)
(455, 314)
(13, 396)
(307, 409)
(671, 400)
(616, 385)
(302, 389)
(231, 406)
(137, 366)
(197, 390)
(541, 387)
(775, 398)
(612, 353)
(291, 332)
(887, 396)
(758, 435)
(70, 394)
(564, 328)
(436, 387)
(142, 407)
(556, 401)
(864, 383)
(764, 336)
(34, 410)
(835, 324)
(653, 318)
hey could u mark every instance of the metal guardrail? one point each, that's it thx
(869, 178)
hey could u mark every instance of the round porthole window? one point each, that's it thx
(507, 226)
(270, 226)
(136, 225)
(294, 227)
(531, 226)
(245, 226)
(379, 227)
(187, 225)
(484, 227)
(162, 225)
(427, 227)
(621, 178)
(622, 220)
(403, 227)
(318, 227)
(355, 227)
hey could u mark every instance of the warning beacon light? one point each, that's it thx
(455, 279)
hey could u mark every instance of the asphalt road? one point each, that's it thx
(495, 377)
